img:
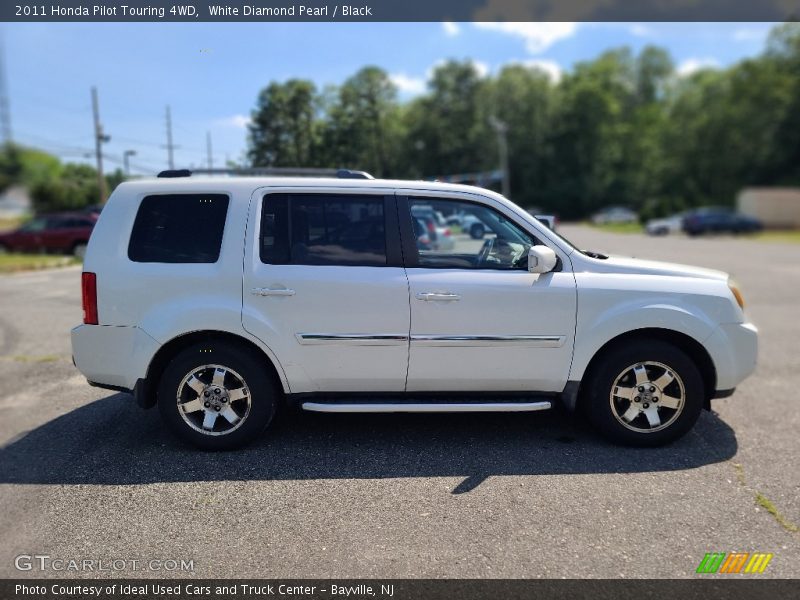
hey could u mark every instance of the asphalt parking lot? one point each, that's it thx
(85, 474)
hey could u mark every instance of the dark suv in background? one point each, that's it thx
(716, 219)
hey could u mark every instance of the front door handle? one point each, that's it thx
(429, 296)
(272, 292)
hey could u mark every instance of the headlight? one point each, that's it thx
(736, 294)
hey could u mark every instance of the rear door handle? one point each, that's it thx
(433, 296)
(272, 292)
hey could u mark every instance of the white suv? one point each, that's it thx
(220, 299)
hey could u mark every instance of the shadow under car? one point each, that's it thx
(113, 442)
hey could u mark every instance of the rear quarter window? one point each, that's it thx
(179, 228)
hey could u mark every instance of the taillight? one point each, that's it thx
(431, 227)
(89, 295)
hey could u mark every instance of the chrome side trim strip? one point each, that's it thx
(427, 407)
(534, 341)
(357, 339)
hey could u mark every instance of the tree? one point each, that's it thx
(283, 131)
(448, 129)
(363, 125)
(74, 187)
(588, 134)
(522, 98)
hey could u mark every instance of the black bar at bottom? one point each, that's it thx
(715, 587)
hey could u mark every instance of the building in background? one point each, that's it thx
(775, 207)
(14, 202)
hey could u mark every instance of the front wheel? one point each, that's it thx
(476, 232)
(645, 393)
(217, 396)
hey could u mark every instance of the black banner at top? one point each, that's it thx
(398, 10)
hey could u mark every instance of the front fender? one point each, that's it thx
(592, 334)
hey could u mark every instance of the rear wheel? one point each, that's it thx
(645, 393)
(217, 396)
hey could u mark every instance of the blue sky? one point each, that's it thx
(211, 73)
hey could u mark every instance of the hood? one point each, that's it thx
(622, 264)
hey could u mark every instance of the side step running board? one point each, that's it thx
(425, 407)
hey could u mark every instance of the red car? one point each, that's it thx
(64, 233)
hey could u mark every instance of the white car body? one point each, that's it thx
(364, 329)
(615, 215)
(665, 226)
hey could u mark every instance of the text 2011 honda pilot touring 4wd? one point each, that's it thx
(219, 298)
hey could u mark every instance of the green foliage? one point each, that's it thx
(284, 128)
(620, 129)
(363, 127)
(53, 186)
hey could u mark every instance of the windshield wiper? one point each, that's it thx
(597, 255)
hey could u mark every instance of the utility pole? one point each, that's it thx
(208, 150)
(125, 156)
(99, 139)
(501, 129)
(5, 113)
(170, 146)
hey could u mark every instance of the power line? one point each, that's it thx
(5, 111)
(99, 138)
(170, 146)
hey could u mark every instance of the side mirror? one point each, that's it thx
(541, 259)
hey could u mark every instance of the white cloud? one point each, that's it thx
(407, 84)
(640, 30)
(537, 36)
(450, 29)
(481, 67)
(692, 65)
(237, 121)
(749, 34)
(551, 67)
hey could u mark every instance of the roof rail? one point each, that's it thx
(175, 173)
(350, 174)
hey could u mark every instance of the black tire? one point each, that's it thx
(676, 422)
(240, 363)
(477, 231)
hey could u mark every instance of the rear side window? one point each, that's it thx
(322, 229)
(179, 228)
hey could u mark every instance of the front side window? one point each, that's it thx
(323, 229)
(473, 237)
(179, 228)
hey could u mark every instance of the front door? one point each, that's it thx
(325, 289)
(479, 320)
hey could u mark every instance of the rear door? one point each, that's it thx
(325, 289)
(479, 320)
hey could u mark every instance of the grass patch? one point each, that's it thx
(14, 263)
(764, 502)
(786, 236)
(767, 505)
(8, 223)
(620, 227)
